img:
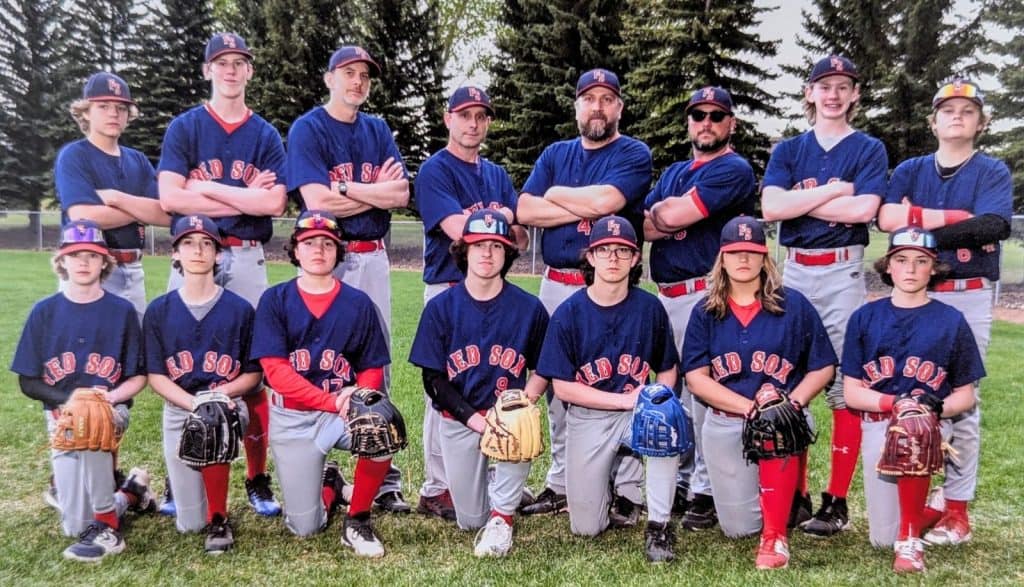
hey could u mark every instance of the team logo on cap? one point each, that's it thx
(475, 94)
(113, 86)
(81, 228)
(488, 219)
(229, 41)
(614, 227)
(914, 234)
(837, 63)
(599, 76)
(745, 232)
(362, 53)
(195, 222)
(708, 94)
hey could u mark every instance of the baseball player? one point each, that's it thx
(222, 160)
(685, 213)
(574, 183)
(474, 341)
(115, 186)
(906, 345)
(84, 337)
(198, 339)
(751, 332)
(825, 185)
(966, 199)
(316, 338)
(603, 344)
(452, 184)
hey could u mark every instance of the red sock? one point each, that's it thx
(215, 479)
(913, 493)
(930, 517)
(956, 506)
(109, 518)
(497, 514)
(845, 450)
(778, 481)
(256, 433)
(368, 478)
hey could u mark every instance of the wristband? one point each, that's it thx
(915, 216)
(954, 216)
(885, 402)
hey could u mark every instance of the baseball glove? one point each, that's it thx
(513, 431)
(913, 441)
(376, 426)
(775, 427)
(211, 432)
(86, 422)
(661, 427)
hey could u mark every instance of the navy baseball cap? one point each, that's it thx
(222, 43)
(469, 96)
(743, 234)
(915, 238)
(959, 88)
(487, 225)
(104, 87)
(613, 230)
(317, 223)
(82, 235)
(353, 54)
(598, 78)
(711, 95)
(195, 223)
(833, 65)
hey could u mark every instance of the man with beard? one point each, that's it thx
(573, 183)
(686, 212)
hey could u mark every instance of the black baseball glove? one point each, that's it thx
(776, 427)
(211, 432)
(376, 426)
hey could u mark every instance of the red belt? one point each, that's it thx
(365, 246)
(959, 284)
(873, 416)
(233, 241)
(126, 255)
(565, 276)
(718, 412)
(819, 259)
(686, 287)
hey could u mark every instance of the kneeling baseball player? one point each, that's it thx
(908, 361)
(80, 354)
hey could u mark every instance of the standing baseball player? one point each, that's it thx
(84, 341)
(686, 211)
(115, 186)
(603, 344)
(476, 340)
(346, 162)
(752, 335)
(222, 160)
(316, 337)
(452, 184)
(574, 183)
(825, 186)
(197, 340)
(906, 346)
(966, 199)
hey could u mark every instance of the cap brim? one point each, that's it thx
(374, 68)
(591, 86)
(308, 233)
(926, 251)
(465, 105)
(745, 247)
(247, 54)
(77, 247)
(614, 240)
(111, 99)
(214, 237)
(711, 102)
(941, 101)
(822, 76)
(475, 238)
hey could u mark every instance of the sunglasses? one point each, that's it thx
(959, 90)
(317, 221)
(79, 233)
(496, 225)
(716, 116)
(914, 238)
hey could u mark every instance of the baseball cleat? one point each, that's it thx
(439, 506)
(94, 543)
(623, 513)
(548, 502)
(909, 556)
(261, 497)
(659, 540)
(167, 507)
(832, 518)
(701, 515)
(392, 502)
(772, 553)
(494, 539)
(952, 530)
(50, 496)
(358, 535)
(681, 503)
(137, 484)
(800, 511)
(219, 536)
(526, 499)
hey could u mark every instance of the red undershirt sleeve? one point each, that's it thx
(283, 378)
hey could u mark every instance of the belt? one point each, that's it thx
(126, 255)
(873, 416)
(283, 402)
(684, 287)
(565, 276)
(724, 414)
(365, 246)
(960, 284)
(233, 241)
(827, 257)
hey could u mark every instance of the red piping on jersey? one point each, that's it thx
(745, 314)
(229, 127)
(318, 303)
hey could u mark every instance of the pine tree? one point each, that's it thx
(1008, 103)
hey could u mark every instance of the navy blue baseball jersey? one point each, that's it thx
(484, 347)
(203, 354)
(776, 349)
(323, 149)
(982, 186)
(328, 351)
(196, 146)
(898, 350)
(614, 349)
(447, 185)
(69, 345)
(722, 189)
(801, 163)
(81, 169)
(624, 163)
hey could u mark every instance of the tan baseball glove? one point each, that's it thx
(86, 422)
(513, 432)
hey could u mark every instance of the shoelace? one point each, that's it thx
(365, 531)
(906, 550)
(261, 488)
(90, 533)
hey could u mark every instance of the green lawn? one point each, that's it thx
(422, 551)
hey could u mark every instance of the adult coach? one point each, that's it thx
(825, 185)
(222, 160)
(452, 184)
(98, 178)
(574, 183)
(966, 199)
(686, 211)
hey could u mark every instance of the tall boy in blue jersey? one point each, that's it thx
(574, 183)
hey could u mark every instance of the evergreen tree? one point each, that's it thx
(1008, 103)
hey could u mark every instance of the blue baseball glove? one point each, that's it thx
(661, 426)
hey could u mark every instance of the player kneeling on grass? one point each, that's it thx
(757, 354)
(908, 361)
(80, 354)
(603, 344)
(198, 340)
(477, 343)
(317, 339)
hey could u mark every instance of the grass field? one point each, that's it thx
(422, 551)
